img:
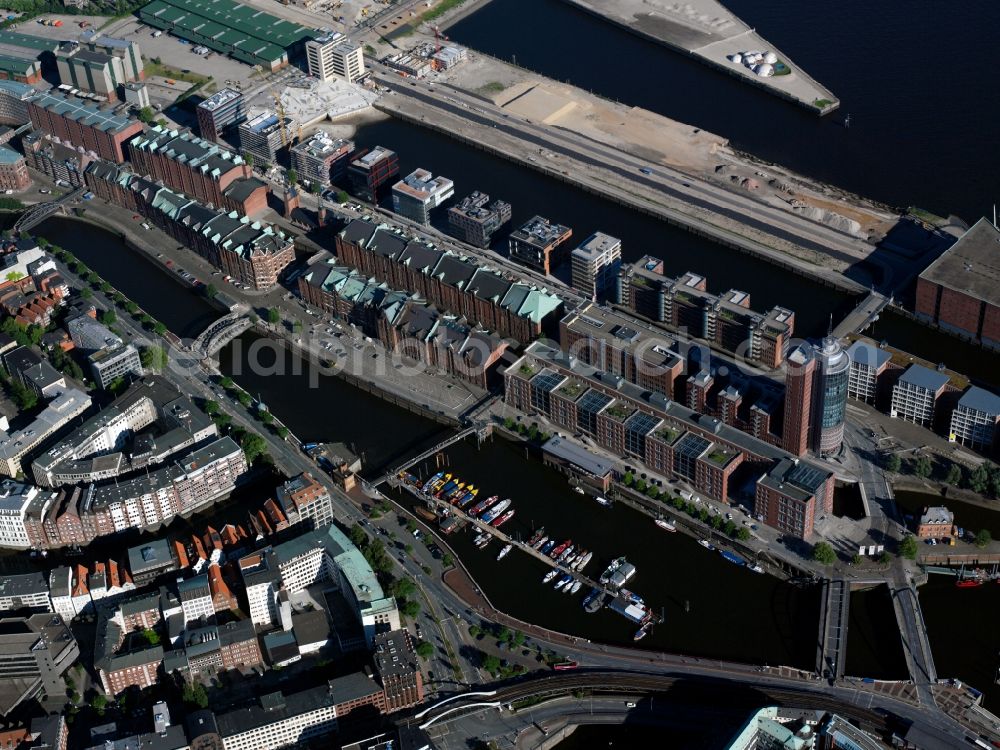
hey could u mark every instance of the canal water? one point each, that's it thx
(530, 192)
(712, 608)
(874, 648)
(918, 132)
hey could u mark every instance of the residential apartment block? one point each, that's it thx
(684, 304)
(975, 422)
(322, 158)
(868, 364)
(369, 171)
(915, 395)
(221, 111)
(416, 194)
(595, 265)
(334, 56)
(475, 220)
(536, 243)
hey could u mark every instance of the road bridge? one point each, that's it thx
(863, 315)
(831, 649)
(41, 211)
(481, 430)
(913, 632)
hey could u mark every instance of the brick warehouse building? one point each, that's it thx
(203, 170)
(83, 123)
(251, 252)
(458, 284)
(959, 291)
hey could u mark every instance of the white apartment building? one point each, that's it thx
(976, 419)
(916, 393)
(595, 264)
(262, 582)
(333, 56)
(196, 598)
(416, 194)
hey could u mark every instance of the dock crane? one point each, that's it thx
(278, 106)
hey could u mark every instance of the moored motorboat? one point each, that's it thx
(505, 551)
(706, 544)
(666, 525)
(582, 562)
(503, 519)
(496, 511)
(550, 575)
(575, 587)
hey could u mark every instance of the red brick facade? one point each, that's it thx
(106, 144)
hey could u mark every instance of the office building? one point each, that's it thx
(55, 159)
(262, 582)
(247, 34)
(830, 396)
(303, 499)
(475, 220)
(136, 94)
(35, 651)
(685, 305)
(283, 720)
(399, 670)
(22, 508)
(96, 450)
(264, 134)
(24, 591)
(196, 597)
(205, 171)
(670, 439)
(83, 124)
(322, 159)
(975, 422)
(13, 171)
(251, 252)
(915, 395)
(416, 194)
(960, 291)
(595, 265)
(66, 404)
(219, 112)
(454, 283)
(536, 242)
(109, 357)
(149, 560)
(334, 56)
(14, 98)
(868, 364)
(370, 170)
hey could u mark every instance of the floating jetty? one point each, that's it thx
(709, 32)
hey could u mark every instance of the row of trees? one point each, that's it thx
(984, 479)
(374, 551)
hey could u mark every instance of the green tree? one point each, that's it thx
(293, 176)
(908, 547)
(823, 553)
(425, 650)
(983, 538)
(410, 608)
(857, 559)
(475, 631)
(154, 358)
(743, 533)
(729, 528)
(402, 588)
(116, 386)
(315, 188)
(253, 446)
(296, 326)
(146, 114)
(248, 158)
(342, 196)
(151, 636)
(86, 293)
(24, 397)
(211, 408)
(628, 480)
(892, 463)
(159, 328)
(447, 560)
(194, 695)
(273, 315)
(923, 467)
(211, 290)
(131, 308)
(357, 536)
(282, 431)
(954, 476)
(227, 383)
(979, 478)
(491, 663)
(244, 398)
(99, 702)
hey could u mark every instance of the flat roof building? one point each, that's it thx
(322, 158)
(475, 220)
(219, 112)
(960, 291)
(535, 243)
(416, 194)
(334, 56)
(264, 134)
(370, 170)
(35, 651)
(868, 363)
(595, 265)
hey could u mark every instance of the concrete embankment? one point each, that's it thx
(708, 32)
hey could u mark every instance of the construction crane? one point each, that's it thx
(278, 106)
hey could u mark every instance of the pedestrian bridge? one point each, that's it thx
(40, 212)
(220, 333)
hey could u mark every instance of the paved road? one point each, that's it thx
(743, 210)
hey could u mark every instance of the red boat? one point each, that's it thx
(497, 523)
(560, 549)
(968, 583)
(483, 505)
